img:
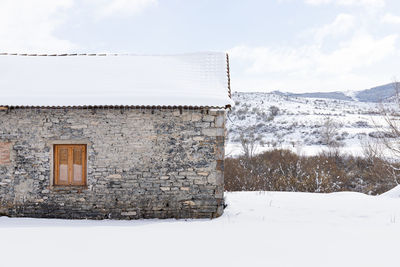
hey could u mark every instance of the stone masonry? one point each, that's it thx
(153, 163)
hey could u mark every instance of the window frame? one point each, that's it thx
(70, 183)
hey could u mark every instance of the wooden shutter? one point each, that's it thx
(69, 164)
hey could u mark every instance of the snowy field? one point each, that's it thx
(257, 229)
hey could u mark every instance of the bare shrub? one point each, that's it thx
(373, 152)
(274, 111)
(371, 149)
(283, 170)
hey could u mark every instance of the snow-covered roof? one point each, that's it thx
(193, 80)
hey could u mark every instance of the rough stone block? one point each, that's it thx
(220, 121)
(198, 138)
(208, 118)
(213, 132)
(186, 117)
(165, 188)
(114, 176)
(128, 213)
(5, 152)
(196, 117)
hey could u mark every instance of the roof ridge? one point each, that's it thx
(102, 54)
(61, 54)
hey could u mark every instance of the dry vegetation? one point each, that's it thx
(283, 170)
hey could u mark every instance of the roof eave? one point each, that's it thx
(8, 107)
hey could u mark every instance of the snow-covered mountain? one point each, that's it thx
(376, 94)
(299, 121)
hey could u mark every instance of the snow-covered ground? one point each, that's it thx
(257, 229)
(299, 122)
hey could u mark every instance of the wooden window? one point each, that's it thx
(69, 164)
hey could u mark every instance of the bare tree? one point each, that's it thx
(329, 131)
(249, 140)
(387, 136)
(390, 135)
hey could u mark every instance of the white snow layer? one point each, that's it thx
(277, 229)
(198, 79)
(394, 193)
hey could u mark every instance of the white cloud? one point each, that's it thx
(28, 26)
(342, 24)
(107, 8)
(348, 53)
(362, 3)
(391, 19)
(362, 50)
(311, 68)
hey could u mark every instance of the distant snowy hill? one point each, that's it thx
(375, 94)
(328, 95)
(296, 121)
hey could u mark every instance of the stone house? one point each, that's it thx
(113, 136)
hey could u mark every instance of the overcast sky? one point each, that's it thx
(289, 45)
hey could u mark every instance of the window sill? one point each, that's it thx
(69, 188)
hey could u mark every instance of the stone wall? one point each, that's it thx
(140, 163)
